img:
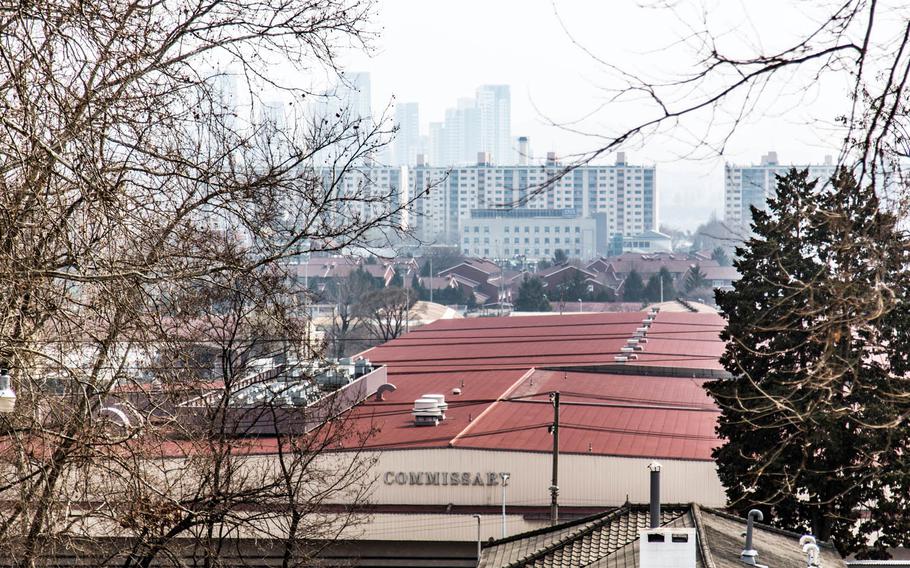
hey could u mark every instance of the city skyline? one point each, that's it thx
(560, 88)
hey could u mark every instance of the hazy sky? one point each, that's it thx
(435, 51)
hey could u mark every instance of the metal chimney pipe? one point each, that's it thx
(655, 494)
(749, 553)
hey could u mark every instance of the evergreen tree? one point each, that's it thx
(397, 280)
(652, 289)
(695, 279)
(531, 297)
(633, 288)
(559, 257)
(719, 255)
(812, 428)
(654, 292)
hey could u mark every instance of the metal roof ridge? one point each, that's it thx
(505, 394)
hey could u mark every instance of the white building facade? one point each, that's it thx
(530, 233)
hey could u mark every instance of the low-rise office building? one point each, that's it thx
(529, 233)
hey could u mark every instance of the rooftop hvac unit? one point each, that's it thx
(362, 367)
(440, 401)
(426, 412)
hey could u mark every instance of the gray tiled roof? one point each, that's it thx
(578, 543)
(610, 540)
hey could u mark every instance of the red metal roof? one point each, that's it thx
(509, 343)
(504, 400)
(603, 414)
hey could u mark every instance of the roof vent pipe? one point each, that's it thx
(807, 541)
(655, 494)
(749, 554)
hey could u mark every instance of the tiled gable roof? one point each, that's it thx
(578, 543)
(611, 540)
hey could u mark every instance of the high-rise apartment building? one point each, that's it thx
(480, 124)
(746, 186)
(460, 134)
(494, 104)
(407, 140)
(622, 197)
(369, 192)
(354, 94)
(581, 211)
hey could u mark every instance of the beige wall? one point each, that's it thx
(454, 527)
(584, 480)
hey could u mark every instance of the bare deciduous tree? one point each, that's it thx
(143, 221)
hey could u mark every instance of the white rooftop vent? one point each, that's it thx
(626, 349)
(440, 401)
(427, 412)
(620, 358)
(667, 547)
(643, 329)
(633, 341)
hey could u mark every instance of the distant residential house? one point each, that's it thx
(437, 282)
(317, 271)
(557, 276)
(720, 276)
(647, 242)
(612, 271)
(482, 278)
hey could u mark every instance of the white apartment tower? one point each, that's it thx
(354, 94)
(746, 186)
(407, 140)
(494, 104)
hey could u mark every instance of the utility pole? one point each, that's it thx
(431, 279)
(505, 479)
(661, 278)
(554, 486)
(478, 537)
